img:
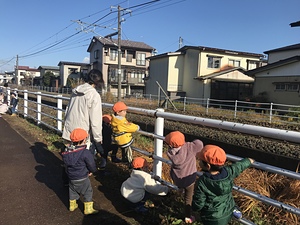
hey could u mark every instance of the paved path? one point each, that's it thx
(31, 189)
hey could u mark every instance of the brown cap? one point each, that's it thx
(175, 139)
(213, 154)
(78, 134)
(119, 106)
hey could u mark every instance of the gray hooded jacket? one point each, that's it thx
(84, 111)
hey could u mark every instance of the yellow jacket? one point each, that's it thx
(122, 131)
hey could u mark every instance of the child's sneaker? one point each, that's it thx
(237, 214)
(189, 219)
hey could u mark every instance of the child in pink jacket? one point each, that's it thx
(184, 169)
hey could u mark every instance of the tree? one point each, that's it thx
(48, 76)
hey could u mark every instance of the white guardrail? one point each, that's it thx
(158, 137)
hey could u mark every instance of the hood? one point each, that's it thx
(116, 120)
(71, 156)
(177, 156)
(219, 187)
(82, 89)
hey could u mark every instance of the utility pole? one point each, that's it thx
(119, 54)
(119, 49)
(17, 70)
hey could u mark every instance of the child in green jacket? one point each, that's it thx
(213, 193)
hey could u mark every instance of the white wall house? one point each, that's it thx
(203, 72)
(279, 81)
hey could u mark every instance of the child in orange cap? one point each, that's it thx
(80, 164)
(183, 169)
(140, 184)
(122, 130)
(213, 192)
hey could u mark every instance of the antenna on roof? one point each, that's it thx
(180, 42)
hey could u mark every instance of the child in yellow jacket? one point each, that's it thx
(122, 130)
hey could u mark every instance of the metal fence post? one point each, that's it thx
(235, 108)
(38, 107)
(184, 102)
(25, 103)
(271, 109)
(207, 105)
(59, 113)
(158, 144)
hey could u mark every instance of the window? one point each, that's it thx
(96, 54)
(234, 63)
(292, 87)
(280, 87)
(141, 59)
(214, 62)
(113, 54)
(130, 56)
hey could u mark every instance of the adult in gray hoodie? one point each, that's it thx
(85, 110)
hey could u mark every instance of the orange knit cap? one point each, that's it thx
(213, 154)
(106, 118)
(119, 106)
(175, 139)
(139, 162)
(78, 134)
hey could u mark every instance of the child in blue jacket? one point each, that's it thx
(80, 164)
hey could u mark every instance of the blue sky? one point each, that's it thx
(45, 32)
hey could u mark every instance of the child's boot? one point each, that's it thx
(73, 205)
(88, 208)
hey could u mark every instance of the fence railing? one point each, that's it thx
(260, 111)
(40, 118)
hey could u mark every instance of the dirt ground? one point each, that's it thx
(31, 186)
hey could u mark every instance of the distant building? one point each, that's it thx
(134, 66)
(72, 70)
(52, 69)
(279, 80)
(26, 75)
(203, 72)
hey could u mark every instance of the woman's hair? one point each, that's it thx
(95, 77)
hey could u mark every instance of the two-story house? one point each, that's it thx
(203, 72)
(280, 78)
(134, 66)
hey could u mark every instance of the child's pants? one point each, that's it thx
(127, 154)
(188, 198)
(83, 186)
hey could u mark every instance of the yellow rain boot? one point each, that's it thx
(73, 205)
(88, 208)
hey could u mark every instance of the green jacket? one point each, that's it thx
(122, 131)
(213, 198)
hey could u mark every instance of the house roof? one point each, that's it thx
(165, 55)
(124, 43)
(220, 51)
(219, 73)
(27, 68)
(286, 48)
(73, 63)
(48, 67)
(295, 24)
(273, 65)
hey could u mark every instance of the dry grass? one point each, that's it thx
(274, 186)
